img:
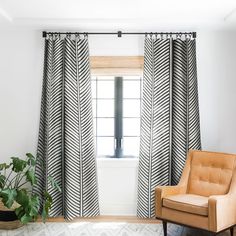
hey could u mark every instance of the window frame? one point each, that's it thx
(118, 67)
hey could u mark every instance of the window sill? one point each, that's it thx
(117, 162)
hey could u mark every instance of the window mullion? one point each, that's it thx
(118, 116)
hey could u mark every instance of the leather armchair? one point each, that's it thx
(205, 197)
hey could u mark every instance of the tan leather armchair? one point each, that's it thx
(205, 197)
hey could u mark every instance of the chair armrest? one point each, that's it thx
(221, 211)
(164, 191)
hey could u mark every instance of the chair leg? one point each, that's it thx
(164, 224)
(232, 231)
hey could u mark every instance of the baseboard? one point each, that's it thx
(106, 218)
(118, 209)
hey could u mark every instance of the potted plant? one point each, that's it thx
(18, 204)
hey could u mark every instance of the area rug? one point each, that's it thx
(91, 229)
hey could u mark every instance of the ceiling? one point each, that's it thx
(97, 15)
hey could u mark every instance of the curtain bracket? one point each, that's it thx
(119, 34)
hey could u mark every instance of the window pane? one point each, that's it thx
(131, 146)
(105, 126)
(94, 108)
(105, 146)
(94, 126)
(131, 89)
(105, 89)
(93, 85)
(131, 126)
(105, 108)
(131, 108)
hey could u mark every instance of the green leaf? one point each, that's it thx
(8, 197)
(18, 164)
(4, 166)
(29, 208)
(33, 206)
(29, 155)
(25, 219)
(57, 187)
(47, 205)
(44, 214)
(48, 197)
(19, 212)
(54, 183)
(31, 159)
(31, 162)
(40, 162)
(30, 176)
(22, 197)
(2, 181)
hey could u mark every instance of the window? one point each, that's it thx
(116, 109)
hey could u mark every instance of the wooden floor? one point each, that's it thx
(128, 219)
(173, 230)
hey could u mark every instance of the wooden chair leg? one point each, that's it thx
(164, 224)
(232, 231)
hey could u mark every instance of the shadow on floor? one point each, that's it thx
(176, 230)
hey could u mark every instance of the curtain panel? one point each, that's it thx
(66, 150)
(170, 123)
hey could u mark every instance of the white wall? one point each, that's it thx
(21, 69)
(216, 53)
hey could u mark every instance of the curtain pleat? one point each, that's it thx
(170, 123)
(185, 112)
(72, 143)
(89, 195)
(194, 136)
(155, 122)
(179, 109)
(40, 169)
(66, 145)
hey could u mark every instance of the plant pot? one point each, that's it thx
(8, 218)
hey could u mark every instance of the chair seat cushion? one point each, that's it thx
(190, 203)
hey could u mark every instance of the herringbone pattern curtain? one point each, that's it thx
(65, 144)
(170, 123)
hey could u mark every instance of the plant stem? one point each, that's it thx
(13, 179)
(23, 175)
(17, 178)
(7, 179)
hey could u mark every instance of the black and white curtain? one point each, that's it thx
(66, 143)
(170, 115)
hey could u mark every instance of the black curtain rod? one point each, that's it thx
(120, 33)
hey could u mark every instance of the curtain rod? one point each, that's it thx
(120, 33)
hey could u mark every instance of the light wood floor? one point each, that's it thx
(128, 219)
(174, 230)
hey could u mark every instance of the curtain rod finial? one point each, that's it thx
(44, 33)
(194, 35)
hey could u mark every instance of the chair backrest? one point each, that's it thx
(210, 173)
